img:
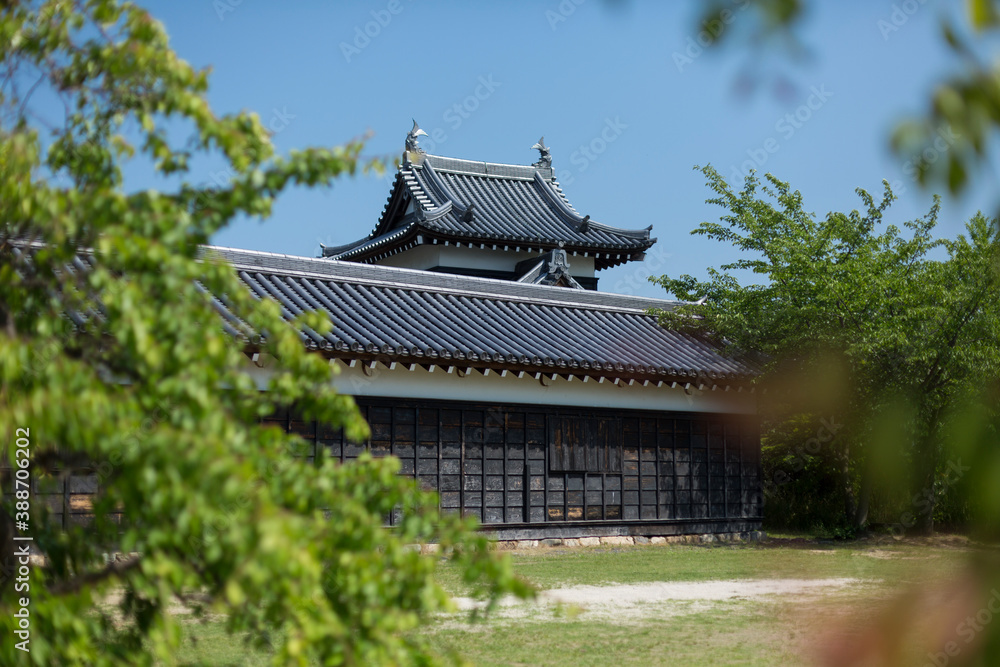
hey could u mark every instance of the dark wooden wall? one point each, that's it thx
(517, 467)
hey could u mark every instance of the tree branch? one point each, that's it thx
(111, 570)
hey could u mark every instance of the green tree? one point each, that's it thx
(967, 102)
(855, 292)
(113, 357)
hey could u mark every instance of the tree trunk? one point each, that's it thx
(925, 469)
(924, 514)
(850, 506)
(864, 498)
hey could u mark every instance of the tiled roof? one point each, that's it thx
(406, 316)
(487, 204)
(394, 315)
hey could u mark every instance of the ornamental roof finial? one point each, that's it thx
(411, 139)
(545, 154)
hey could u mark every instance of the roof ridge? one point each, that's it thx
(472, 286)
(443, 191)
(456, 165)
(634, 233)
(570, 214)
(370, 242)
(549, 187)
(557, 187)
(329, 251)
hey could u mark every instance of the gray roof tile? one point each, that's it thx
(415, 316)
(481, 202)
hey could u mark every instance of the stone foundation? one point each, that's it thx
(629, 540)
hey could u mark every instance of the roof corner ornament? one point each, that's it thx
(558, 261)
(584, 225)
(469, 211)
(411, 139)
(545, 155)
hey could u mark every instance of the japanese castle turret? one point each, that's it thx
(509, 222)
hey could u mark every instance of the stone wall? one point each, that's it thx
(628, 540)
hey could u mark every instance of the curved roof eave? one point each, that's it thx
(529, 210)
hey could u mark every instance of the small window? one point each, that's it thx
(585, 444)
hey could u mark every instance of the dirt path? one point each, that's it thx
(630, 600)
(628, 594)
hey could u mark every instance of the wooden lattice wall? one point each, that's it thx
(515, 467)
(532, 471)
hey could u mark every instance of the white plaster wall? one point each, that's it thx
(428, 256)
(441, 385)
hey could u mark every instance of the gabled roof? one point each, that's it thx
(482, 204)
(393, 315)
(552, 268)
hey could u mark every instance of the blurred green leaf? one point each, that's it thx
(905, 324)
(117, 360)
(983, 14)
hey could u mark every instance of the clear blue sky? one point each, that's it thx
(517, 71)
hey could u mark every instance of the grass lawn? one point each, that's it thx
(755, 630)
(777, 559)
(741, 630)
(727, 634)
(208, 642)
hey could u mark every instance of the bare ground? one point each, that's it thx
(631, 602)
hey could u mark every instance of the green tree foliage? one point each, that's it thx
(951, 401)
(113, 359)
(866, 315)
(803, 484)
(966, 104)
